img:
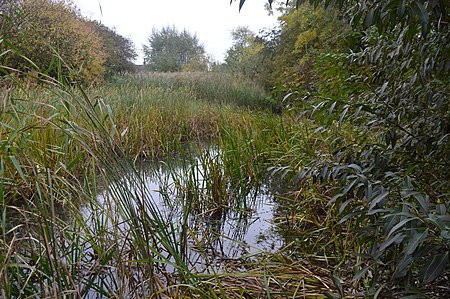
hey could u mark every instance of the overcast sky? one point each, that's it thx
(211, 20)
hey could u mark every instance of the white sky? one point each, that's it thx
(211, 20)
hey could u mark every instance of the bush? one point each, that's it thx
(393, 184)
(53, 36)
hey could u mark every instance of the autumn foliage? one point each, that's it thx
(51, 37)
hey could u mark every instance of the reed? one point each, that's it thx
(61, 145)
(212, 87)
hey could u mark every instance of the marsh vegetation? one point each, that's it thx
(209, 184)
(81, 218)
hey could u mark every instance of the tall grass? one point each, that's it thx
(212, 87)
(61, 144)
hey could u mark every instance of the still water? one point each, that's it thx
(179, 192)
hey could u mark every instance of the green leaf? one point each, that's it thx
(415, 296)
(360, 273)
(403, 266)
(297, 4)
(399, 225)
(17, 166)
(435, 267)
(330, 111)
(441, 221)
(2, 167)
(355, 167)
(441, 209)
(415, 240)
(423, 201)
(344, 112)
(332, 295)
(369, 18)
(377, 199)
(338, 284)
(349, 216)
(266, 284)
(378, 292)
(389, 241)
(383, 88)
(344, 205)
(401, 9)
(74, 161)
(421, 12)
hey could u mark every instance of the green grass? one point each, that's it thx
(213, 87)
(60, 145)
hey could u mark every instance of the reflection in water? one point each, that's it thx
(220, 231)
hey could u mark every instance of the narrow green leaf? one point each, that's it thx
(423, 201)
(399, 225)
(2, 166)
(332, 295)
(344, 112)
(415, 240)
(377, 199)
(17, 166)
(298, 3)
(403, 266)
(2, 200)
(355, 167)
(349, 216)
(330, 111)
(378, 292)
(389, 241)
(383, 88)
(338, 284)
(401, 9)
(441, 209)
(74, 161)
(344, 205)
(266, 284)
(369, 18)
(435, 267)
(361, 273)
(415, 296)
(421, 12)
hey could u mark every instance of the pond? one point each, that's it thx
(195, 212)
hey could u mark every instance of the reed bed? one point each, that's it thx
(213, 87)
(61, 144)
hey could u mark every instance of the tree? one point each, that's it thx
(394, 186)
(54, 37)
(170, 50)
(387, 14)
(242, 38)
(306, 34)
(245, 54)
(120, 52)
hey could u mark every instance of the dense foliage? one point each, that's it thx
(120, 51)
(52, 38)
(362, 144)
(245, 55)
(171, 50)
(388, 78)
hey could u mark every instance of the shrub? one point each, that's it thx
(54, 37)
